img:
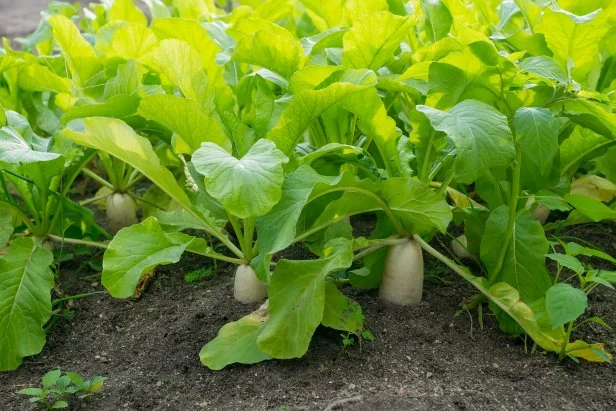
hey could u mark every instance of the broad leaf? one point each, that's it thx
(125, 10)
(277, 229)
(138, 249)
(297, 300)
(567, 261)
(79, 54)
(419, 208)
(537, 133)
(131, 41)
(591, 208)
(195, 35)
(248, 187)
(14, 149)
(181, 66)
(524, 259)
(189, 123)
(373, 40)
(308, 105)
(574, 39)
(341, 312)
(581, 146)
(271, 47)
(6, 224)
(25, 301)
(438, 19)
(236, 342)
(564, 303)
(416, 206)
(593, 115)
(545, 66)
(480, 133)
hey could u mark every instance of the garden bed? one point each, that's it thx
(422, 357)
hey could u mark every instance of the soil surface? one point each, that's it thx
(423, 357)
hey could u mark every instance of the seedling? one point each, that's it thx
(59, 388)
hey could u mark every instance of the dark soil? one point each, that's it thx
(423, 357)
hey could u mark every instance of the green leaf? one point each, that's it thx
(308, 105)
(25, 301)
(14, 149)
(248, 187)
(119, 140)
(181, 65)
(524, 263)
(575, 249)
(196, 36)
(591, 208)
(129, 42)
(119, 106)
(373, 40)
(138, 249)
(31, 391)
(568, 261)
(327, 39)
(564, 303)
(418, 208)
(79, 54)
(277, 229)
(595, 116)
(236, 342)
(270, 46)
(35, 77)
(75, 378)
(606, 164)
(573, 38)
(59, 404)
(475, 72)
(438, 19)
(537, 133)
(480, 133)
(51, 378)
(545, 66)
(190, 124)
(125, 10)
(297, 300)
(341, 312)
(195, 9)
(6, 225)
(581, 146)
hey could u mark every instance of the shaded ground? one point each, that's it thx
(423, 357)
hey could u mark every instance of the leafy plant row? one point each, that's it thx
(258, 125)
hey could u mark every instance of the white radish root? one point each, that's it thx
(541, 213)
(403, 276)
(121, 212)
(459, 247)
(248, 289)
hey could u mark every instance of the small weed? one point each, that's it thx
(198, 275)
(58, 388)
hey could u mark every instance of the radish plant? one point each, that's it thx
(36, 217)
